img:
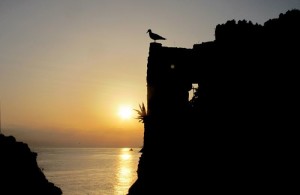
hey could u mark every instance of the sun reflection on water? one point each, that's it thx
(125, 173)
(125, 156)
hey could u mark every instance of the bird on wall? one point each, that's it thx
(155, 36)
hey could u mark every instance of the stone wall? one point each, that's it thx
(235, 137)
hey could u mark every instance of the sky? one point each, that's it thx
(67, 66)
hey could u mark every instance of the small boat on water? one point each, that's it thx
(131, 149)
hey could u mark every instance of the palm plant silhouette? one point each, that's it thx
(142, 113)
(143, 118)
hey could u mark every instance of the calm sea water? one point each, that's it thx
(90, 171)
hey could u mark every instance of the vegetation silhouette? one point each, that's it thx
(236, 134)
(142, 113)
(143, 118)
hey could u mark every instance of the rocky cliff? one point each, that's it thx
(19, 171)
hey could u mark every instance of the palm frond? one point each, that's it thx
(142, 113)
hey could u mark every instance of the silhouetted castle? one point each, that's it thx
(234, 135)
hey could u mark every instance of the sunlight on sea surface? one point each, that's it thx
(90, 171)
(125, 170)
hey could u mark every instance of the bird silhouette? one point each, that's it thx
(155, 36)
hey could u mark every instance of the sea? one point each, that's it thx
(90, 171)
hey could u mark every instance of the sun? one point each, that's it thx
(125, 112)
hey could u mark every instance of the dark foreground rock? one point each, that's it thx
(237, 135)
(19, 171)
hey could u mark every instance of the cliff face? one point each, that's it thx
(20, 173)
(234, 135)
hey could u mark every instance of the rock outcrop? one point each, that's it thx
(236, 134)
(19, 171)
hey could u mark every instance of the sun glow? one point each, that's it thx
(125, 112)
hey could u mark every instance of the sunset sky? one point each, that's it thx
(68, 66)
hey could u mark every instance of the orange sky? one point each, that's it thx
(66, 66)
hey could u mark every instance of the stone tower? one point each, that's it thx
(237, 137)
